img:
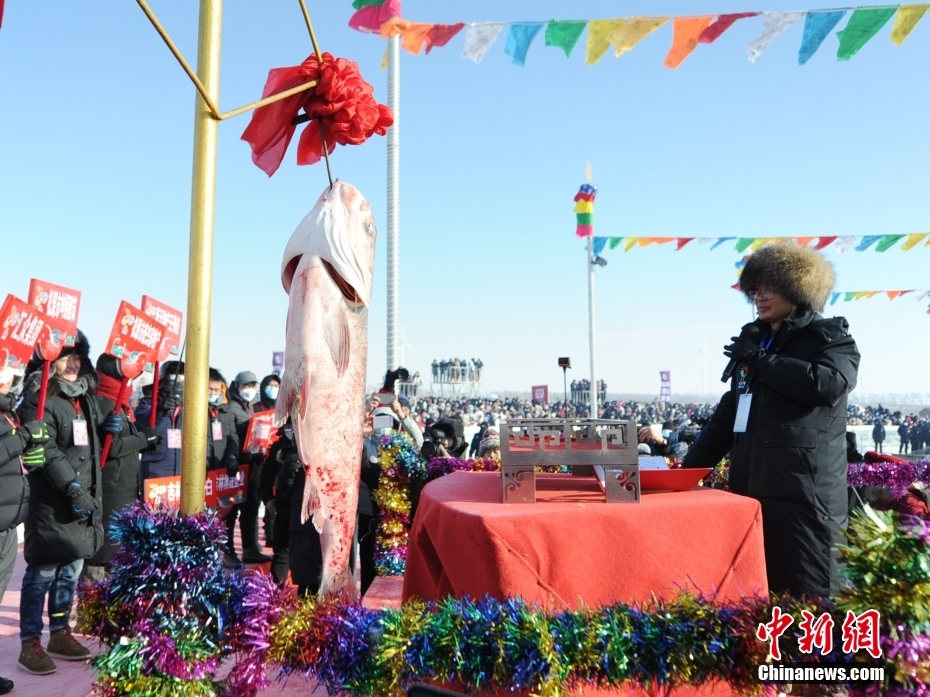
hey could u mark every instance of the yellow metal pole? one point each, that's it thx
(200, 264)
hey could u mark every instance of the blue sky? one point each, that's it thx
(97, 154)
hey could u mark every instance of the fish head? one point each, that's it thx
(340, 230)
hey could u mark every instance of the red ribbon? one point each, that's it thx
(341, 107)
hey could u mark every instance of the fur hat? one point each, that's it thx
(491, 441)
(799, 273)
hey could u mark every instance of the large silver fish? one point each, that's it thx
(326, 271)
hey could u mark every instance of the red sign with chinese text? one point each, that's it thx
(261, 432)
(220, 490)
(21, 326)
(135, 339)
(60, 306)
(540, 393)
(170, 319)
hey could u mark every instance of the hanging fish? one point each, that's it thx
(327, 273)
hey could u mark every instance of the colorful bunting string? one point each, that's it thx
(688, 31)
(584, 210)
(839, 243)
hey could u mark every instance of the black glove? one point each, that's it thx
(152, 437)
(232, 466)
(742, 350)
(34, 457)
(167, 401)
(82, 504)
(33, 433)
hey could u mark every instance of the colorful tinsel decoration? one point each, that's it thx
(400, 466)
(403, 476)
(170, 615)
(584, 210)
(167, 609)
(888, 565)
(894, 474)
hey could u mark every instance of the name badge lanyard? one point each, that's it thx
(741, 422)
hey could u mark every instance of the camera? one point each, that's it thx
(444, 432)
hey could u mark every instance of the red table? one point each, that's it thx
(573, 549)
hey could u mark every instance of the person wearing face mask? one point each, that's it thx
(164, 459)
(268, 397)
(230, 411)
(64, 525)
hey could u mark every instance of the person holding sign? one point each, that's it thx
(121, 470)
(64, 525)
(242, 394)
(783, 420)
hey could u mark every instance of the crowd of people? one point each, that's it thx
(457, 370)
(77, 447)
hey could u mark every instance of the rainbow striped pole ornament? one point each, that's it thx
(584, 210)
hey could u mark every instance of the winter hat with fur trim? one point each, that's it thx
(799, 273)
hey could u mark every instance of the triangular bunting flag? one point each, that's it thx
(773, 25)
(441, 34)
(625, 38)
(816, 27)
(682, 241)
(371, 15)
(887, 242)
(598, 43)
(867, 241)
(912, 241)
(564, 35)
(862, 26)
(724, 22)
(904, 21)
(412, 34)
(598, 246)
(519, 39)
(479, 38)
(615, 242)
(685, 33)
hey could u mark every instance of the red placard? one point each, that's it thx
(135, 339)
(261, 432)
(220, 490)
(171, 319)
(540, 393)
(21, 326)
(60, 307)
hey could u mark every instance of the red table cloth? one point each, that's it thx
(571, 549)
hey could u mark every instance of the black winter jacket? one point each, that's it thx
(792, 455)
(54, 534)
(14, 486)
(120, 475)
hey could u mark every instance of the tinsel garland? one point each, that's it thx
(404, 472)
(170, 614)
(400, 465)
(166, 609)
(896, 476)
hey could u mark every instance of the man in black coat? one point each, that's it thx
(783, 421)
(64, 525)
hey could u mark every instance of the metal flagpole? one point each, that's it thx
(200, 262)
(592, 392)
(393, 202)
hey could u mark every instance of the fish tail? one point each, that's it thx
(340, 587)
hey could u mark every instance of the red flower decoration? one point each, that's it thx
(341, 107)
